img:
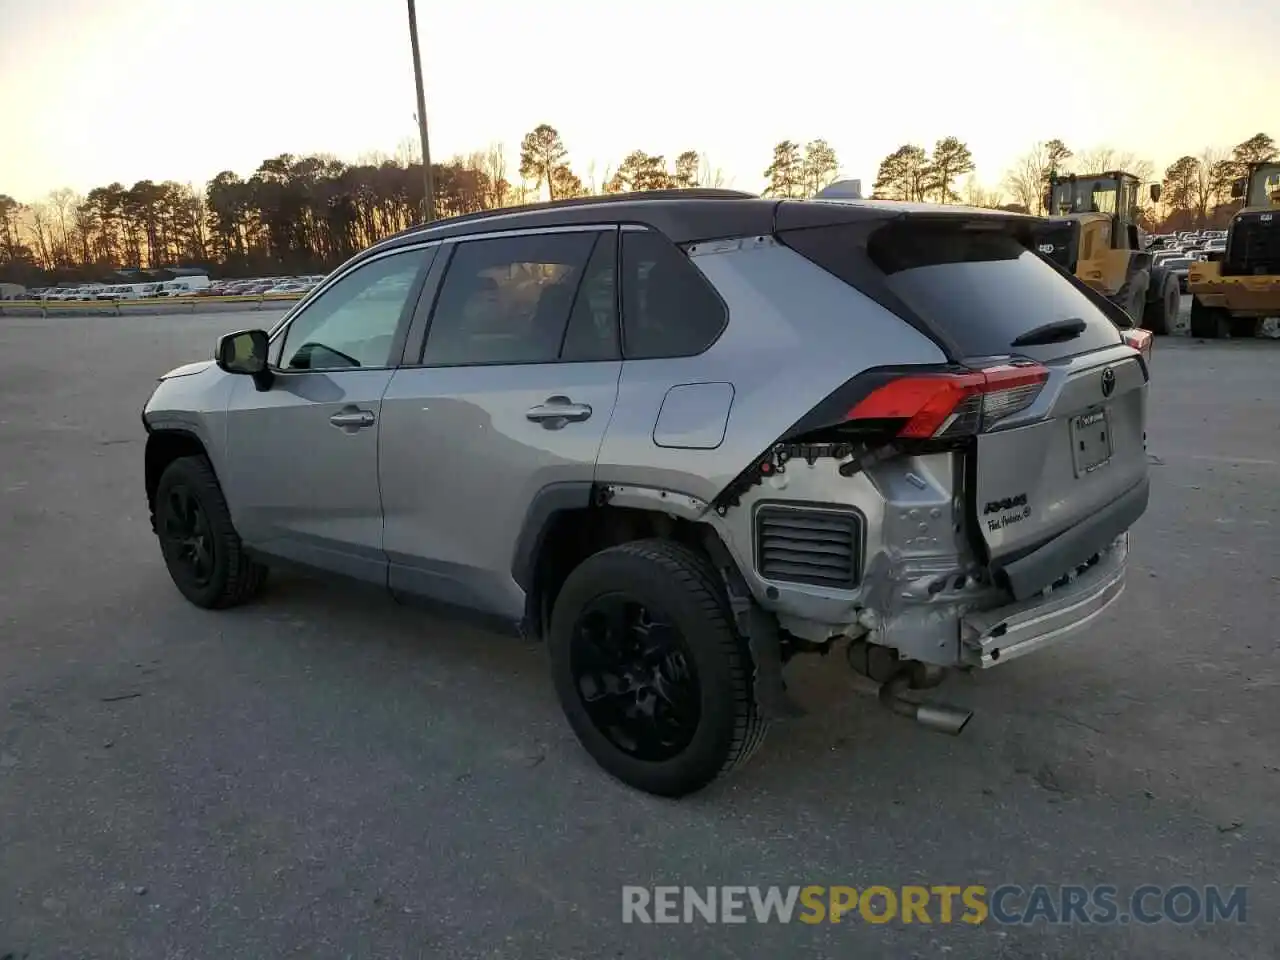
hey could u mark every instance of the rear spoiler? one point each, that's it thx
(800, 214)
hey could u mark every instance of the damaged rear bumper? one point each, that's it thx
(992, 637)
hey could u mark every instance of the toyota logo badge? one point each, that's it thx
(1108, 381)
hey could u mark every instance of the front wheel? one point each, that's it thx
(653, 679)
(202, 551)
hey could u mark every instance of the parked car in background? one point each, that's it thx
(290, 286)
(183, 286)
(1180, 267)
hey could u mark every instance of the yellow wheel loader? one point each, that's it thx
(1234, 290)
(1092, 231)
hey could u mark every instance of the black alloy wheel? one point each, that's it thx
(635, 676)
(186, 536)
(202, 551)
(652, 676)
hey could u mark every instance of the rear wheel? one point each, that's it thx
(651, 675)
(1161, 314)
(201, 548)
(1208, 323)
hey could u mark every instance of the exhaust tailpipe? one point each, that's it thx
(941, 717)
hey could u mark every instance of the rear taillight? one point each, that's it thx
(953, 404)
(1140, 340)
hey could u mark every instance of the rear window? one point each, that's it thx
(983, 289)
(980, 289)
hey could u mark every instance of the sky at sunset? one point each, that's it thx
(94, 91)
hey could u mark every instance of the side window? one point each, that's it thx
(507, 300)
(353, 323)
(668, 307)
(593, 324)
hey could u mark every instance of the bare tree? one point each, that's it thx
(976, 195)
(1105, 159)
(38, 229)
(709, 175)
(1205, 193)
(494, 166)
(62, 206)
(1026, 179)
(409, 151)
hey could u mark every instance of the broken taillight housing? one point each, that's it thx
(1140, 340)
(945, 405)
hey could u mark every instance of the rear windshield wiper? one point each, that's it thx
(1055, 332)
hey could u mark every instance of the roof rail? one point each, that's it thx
(688, 193)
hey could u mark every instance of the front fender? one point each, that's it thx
(194, 404)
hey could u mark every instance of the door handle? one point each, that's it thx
(557, 411)
(353, 419)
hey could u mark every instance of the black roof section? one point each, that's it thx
(684, 216)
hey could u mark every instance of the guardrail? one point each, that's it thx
(46, 306)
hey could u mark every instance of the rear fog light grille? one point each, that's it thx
(812, 546)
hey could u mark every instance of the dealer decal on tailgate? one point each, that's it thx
(1008, 510)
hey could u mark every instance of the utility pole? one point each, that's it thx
(428, 187)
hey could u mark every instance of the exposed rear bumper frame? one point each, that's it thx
(992, 637)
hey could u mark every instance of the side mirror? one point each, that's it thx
(1155, 193)
(245, 352)
(1238, 188)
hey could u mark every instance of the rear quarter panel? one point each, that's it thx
(795, 334)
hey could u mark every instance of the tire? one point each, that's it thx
(1161, 314)
(1207, 323)
(224, 576)
(681, 589)
(1132, 296)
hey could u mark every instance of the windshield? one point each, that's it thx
(1264, 187)
(1090, 195)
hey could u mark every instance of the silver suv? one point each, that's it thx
(681, 437)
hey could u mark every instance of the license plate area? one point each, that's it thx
(1091, 442)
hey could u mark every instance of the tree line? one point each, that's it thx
(306, 214)
(298, 214)
(1196, 190)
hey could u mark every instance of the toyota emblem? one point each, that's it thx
(1108, 381)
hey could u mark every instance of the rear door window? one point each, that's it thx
(509, 300)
